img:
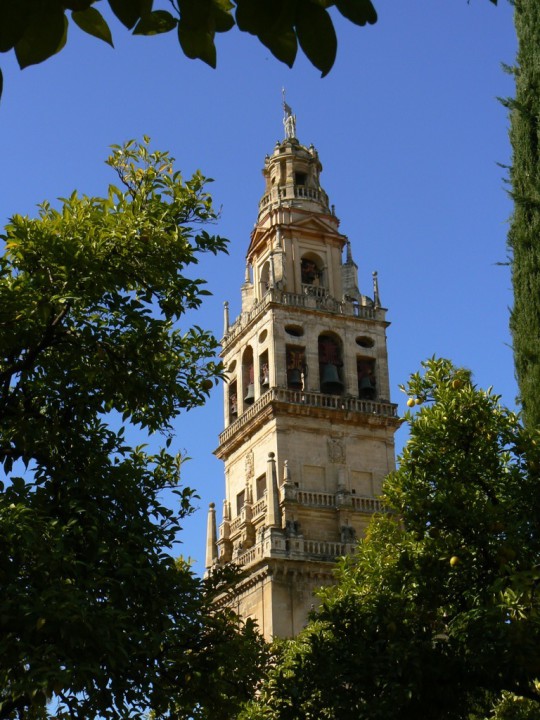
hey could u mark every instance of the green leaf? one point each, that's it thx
(223, 20)
(265, 17)
(93, 23)
(197, 43)
(154, 23)
(248, 16)
(316, 35)
(14, 17)
(43, 37)
(359, 12)
(282, 44)
(127, 11)
(273, 23)
(196, 30)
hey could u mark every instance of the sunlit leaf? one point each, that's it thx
(93, 23)
(155, 23)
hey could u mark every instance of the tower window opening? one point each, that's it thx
(294, 330)
(260, 486)
(282, 170)
(264, 370)
(248, 374)
(300, 178)
(296, 367)
(264, 282)
(240, 501)
(367, 382)
(330, 365)
(311, 270)
(365, 341)
(233, 401)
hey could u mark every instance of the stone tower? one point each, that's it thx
(309, 427)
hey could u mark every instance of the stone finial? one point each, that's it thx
(211, 537)
(272, 271)
(376, 296)
(289, 488)
(225, 317)
(349, 253)
(273, 518)
(286, 473)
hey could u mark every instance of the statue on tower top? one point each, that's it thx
(289, 120)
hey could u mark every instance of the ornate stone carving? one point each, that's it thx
(336, 450)
(249, 464)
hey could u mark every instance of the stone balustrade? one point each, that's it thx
(307, 497)
(307, 549)
(236, 524)
(366, 504)
(290, 192)
(259, 508)
(312, 297)
(310, 399)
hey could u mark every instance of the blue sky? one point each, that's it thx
(410, 134)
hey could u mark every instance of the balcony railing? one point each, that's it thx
(308, 549)
(310, 399)
(314, 298)
(290, 192)
(307, 497)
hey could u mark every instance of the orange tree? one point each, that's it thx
(437, 614)
(96, 617)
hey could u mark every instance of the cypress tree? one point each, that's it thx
(524, 235)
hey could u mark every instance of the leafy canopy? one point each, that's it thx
(437, 615)
(37, 29)
(95, 614)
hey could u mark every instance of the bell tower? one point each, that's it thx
(309, 426)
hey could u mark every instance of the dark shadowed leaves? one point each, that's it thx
(316, 35)
(359, 12)
(45, 34)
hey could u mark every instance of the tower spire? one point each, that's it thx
(289, 120)
(308, 433)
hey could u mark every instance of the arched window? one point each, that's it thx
(248, 374)
(264, 371)
(296, 367)
(233, 401)
(313, 275)
(367, 382)
(330, 364)
(264, 279)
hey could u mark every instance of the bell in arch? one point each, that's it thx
(367, 388)
(250, 395)
(331, 383)
(294, 378)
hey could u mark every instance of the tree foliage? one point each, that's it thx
(437, 615)
(37, 29)
(94, 612)
(525, 229)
